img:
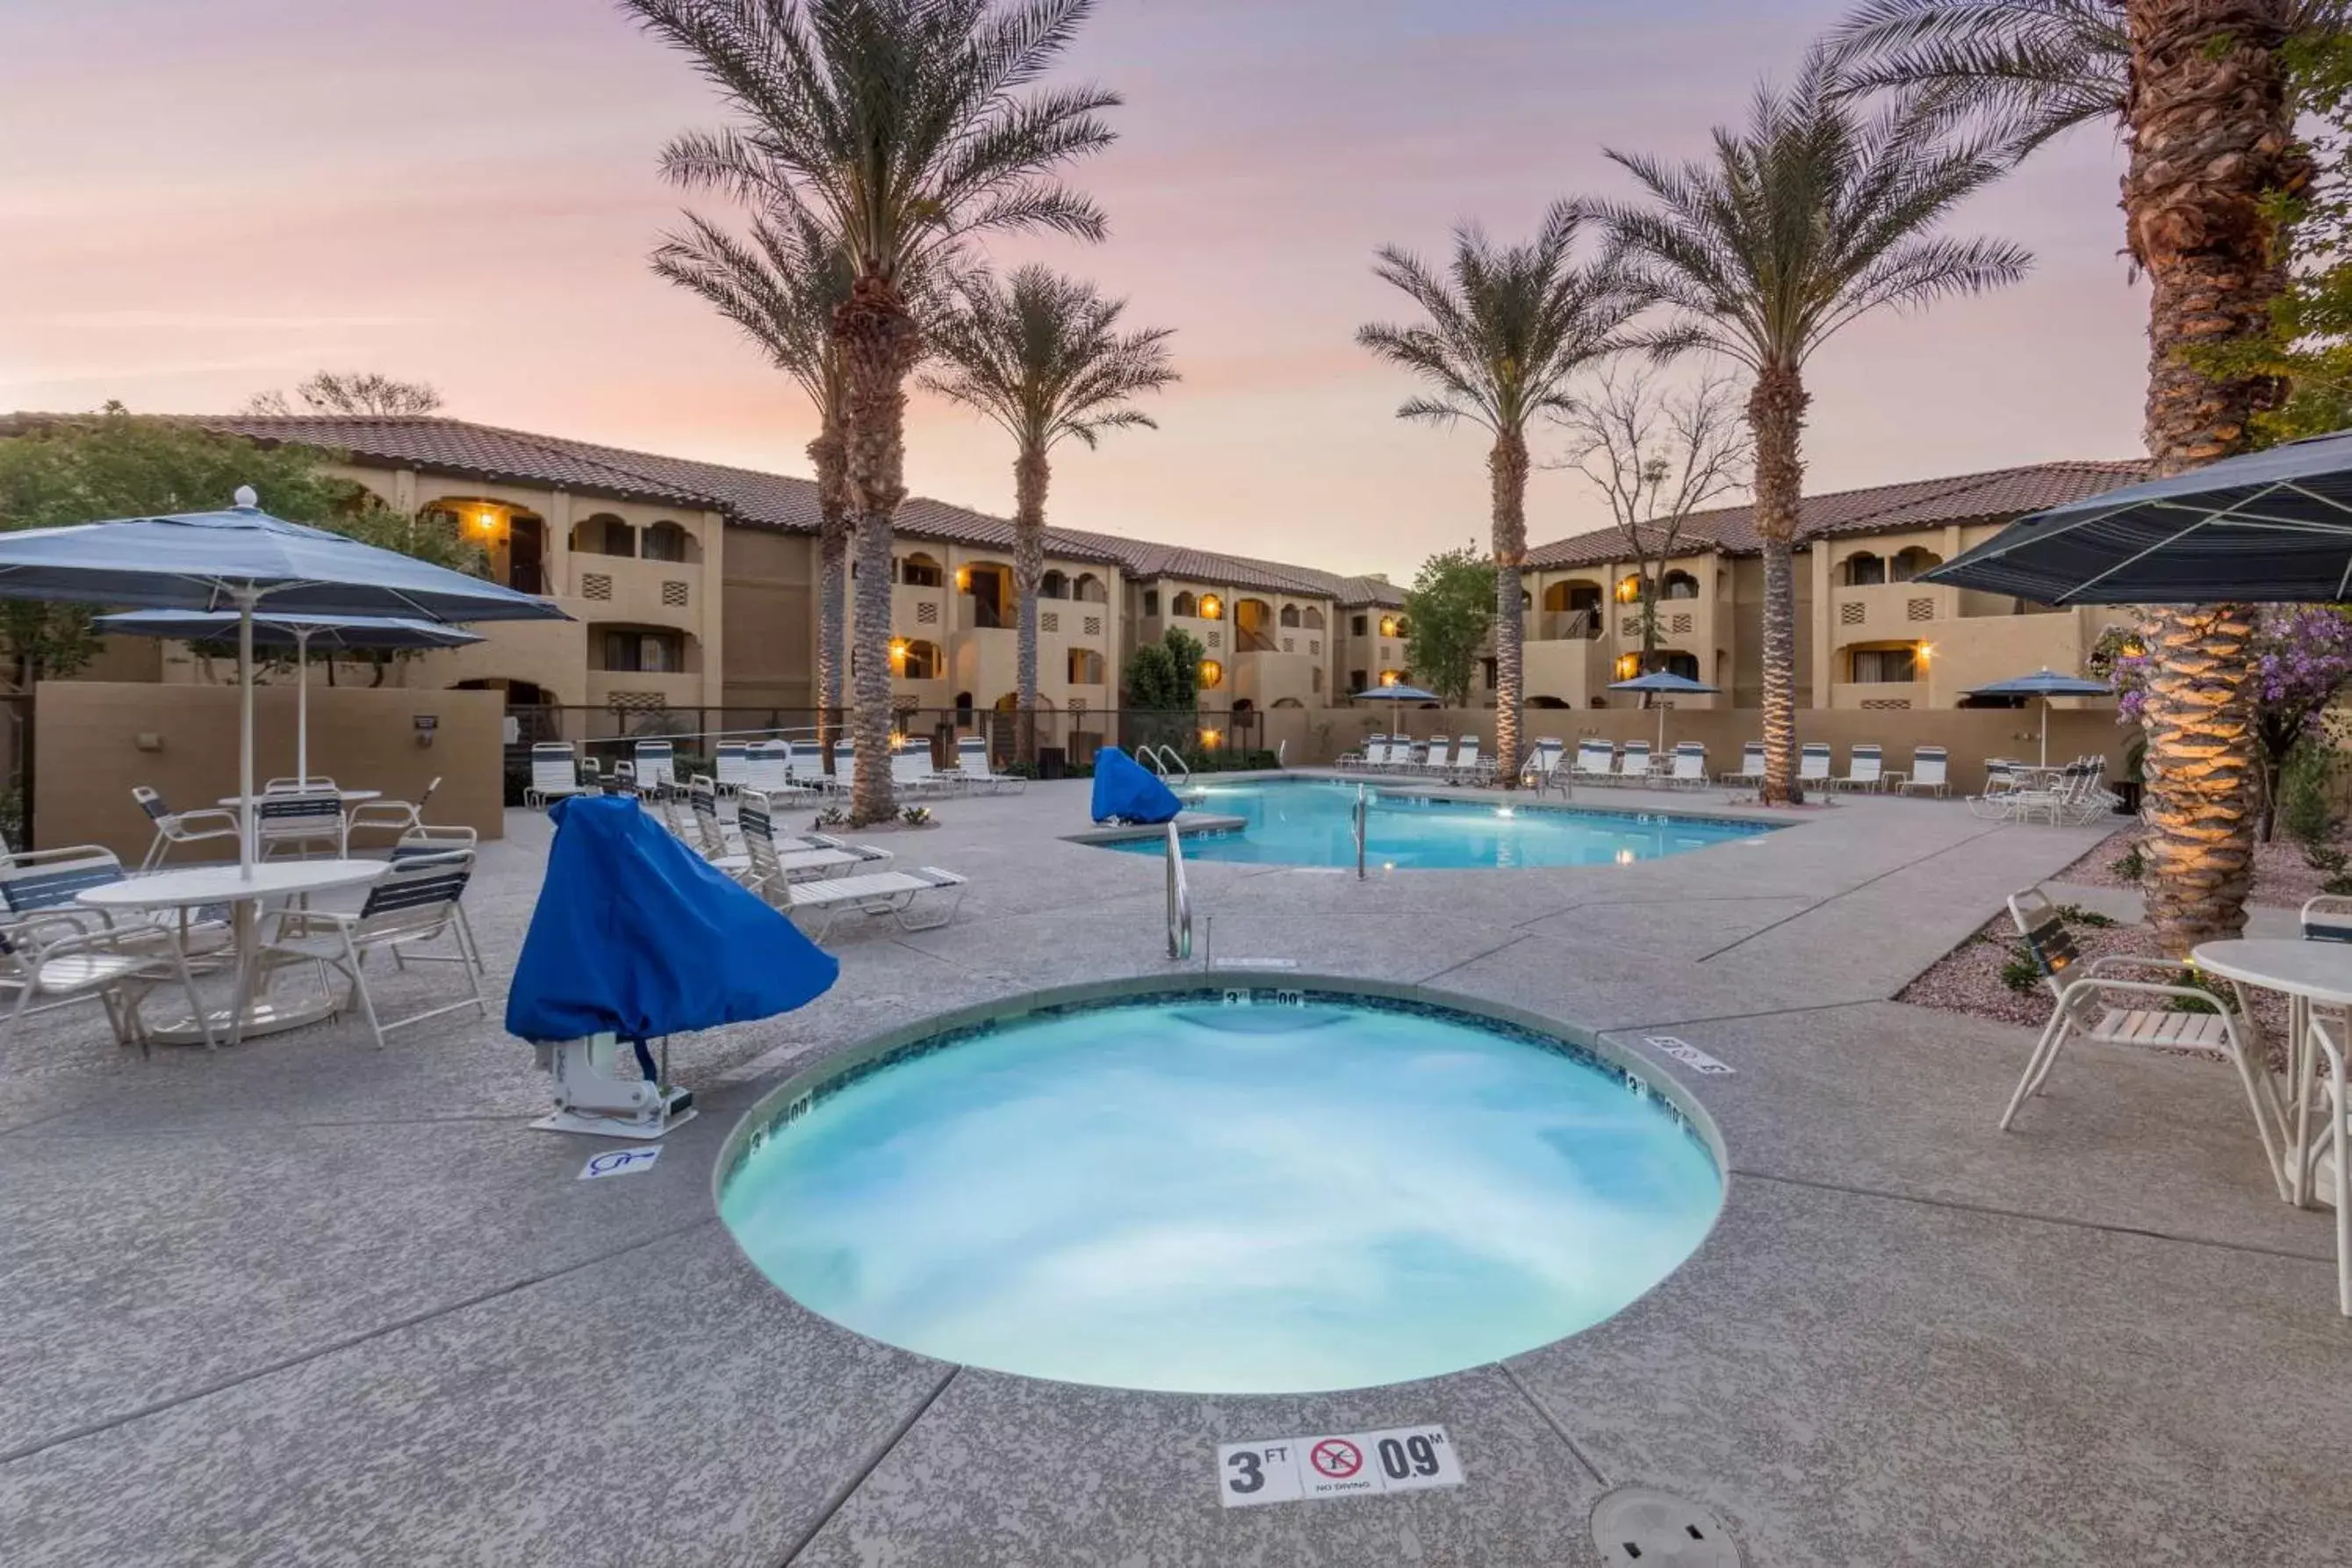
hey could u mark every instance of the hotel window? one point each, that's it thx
(1150, 603)
(921, 572)
(1876, 665)
(664, 542)
(1356, 677)
(644, 653)
(1487, 672)
(1357, 627)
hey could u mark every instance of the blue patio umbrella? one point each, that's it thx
(272, 628)
(1665, 683)
(1397, 694)
(2044, 683)
(234, 560)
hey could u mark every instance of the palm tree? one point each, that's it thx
(1507, 327)
(2198, 88)
(1812, 216)
(1042, 356)
(781, 288)
(906, 126)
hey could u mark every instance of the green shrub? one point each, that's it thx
(2019, 971)
(2132, 864)
(517, 780)
(2090, 919)
(2306, 803)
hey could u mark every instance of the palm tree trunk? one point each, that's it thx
(1030, 474)
(1508, 466)
(828, 454)
(2211, 143)
(1776, 416)
(880, 344)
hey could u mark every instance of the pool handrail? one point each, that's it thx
(1362, 822)
(1180, 901)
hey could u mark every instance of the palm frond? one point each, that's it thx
(1043, 357)
(779, 289)
(2026, 69)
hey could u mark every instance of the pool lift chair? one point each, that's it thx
(636, 938)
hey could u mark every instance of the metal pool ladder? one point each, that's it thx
(1180, 901)
(1165, 760)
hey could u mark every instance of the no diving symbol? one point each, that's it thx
(1336, 1459)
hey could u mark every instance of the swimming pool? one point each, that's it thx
(1309, 822)
(1207, 1191)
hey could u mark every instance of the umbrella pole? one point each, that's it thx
(2045, 732)
(1662, 729)
(245, 599)
(302, 708)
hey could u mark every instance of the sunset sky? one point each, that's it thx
(200, 201)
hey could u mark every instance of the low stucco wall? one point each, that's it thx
(1315, 735)
(89, 754)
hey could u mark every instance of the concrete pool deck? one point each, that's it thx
(309, 1302)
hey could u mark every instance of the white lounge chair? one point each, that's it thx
(910, 771)
(1865, 767)
(1469, 767)
(2097, 1002)
(844, 764)
(1359, 759)
(1813, 764)
(917, 900)
(1540, 769)
(1438, 760)
(1633, 763)
(1751, 765)
(1930, 770)
(553, 774)
(182, 826)
(709, 832)
(972, 762)
(730, 766)
(1690, 766)
(1594, 760)
(657, 766)
(768, 771)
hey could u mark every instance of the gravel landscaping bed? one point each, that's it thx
(2282, 876)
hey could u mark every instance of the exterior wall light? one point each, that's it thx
(1926, 652)
(1211, 739)
(488, 522)
(897, 651)
(963, 579)
(1389, 625)
(1211, 607)
(1391, 677)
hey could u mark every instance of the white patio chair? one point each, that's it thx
(294, 785)
(54, 954)
(910, 771)
(300, 822)
(1469, 767)
(1689, 771)
(1865, 768)
(972, 762)
(2095, 1001)
(1751, 765)
(730, 766)
(553, 774)
(2327, 917)
(1595, 760)
(1930, 770)
(414, 905)
(181, 826)
(919, 900)
(657, 766)
(1633, 764)
(1438, 760)
(1813, 764)
(394, 816)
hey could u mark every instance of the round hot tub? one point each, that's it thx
(1251, 1190)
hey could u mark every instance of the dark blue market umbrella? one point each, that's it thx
(272, 628)
(1665, 683)
(2044, 683)
(2273, 527)
(235, 560)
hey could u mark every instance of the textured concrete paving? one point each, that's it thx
(306, 1303)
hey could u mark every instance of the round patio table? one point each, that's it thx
(350, 796)
(249, 1011)
(2309, 974)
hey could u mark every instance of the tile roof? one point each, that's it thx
(1916, 503)
(774, 501)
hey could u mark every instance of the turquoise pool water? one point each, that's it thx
(1309, 822)
(1207, 1196)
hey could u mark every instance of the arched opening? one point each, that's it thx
(1392, 626)
(1088, 588)
(1629, 588)
(665, 541)
(989, 585)
(1183, 604)
(1053, 585)
(1280, 702)
(1678, 586)
(1086, 666)
(1212, 675)
(1575, 593)
(921, 571)
(1674, 661)
(1211, 607)
(1314, 619)
(1253, 625)
(915, 659)
(1546, 702)
(1910, 562)
(1290, 616)
(604, 534)
(963, 710)
(1152, 604)
(513, 540)
(1244, 705)
(1864, 569)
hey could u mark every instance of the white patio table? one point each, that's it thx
(350, 796)
(248, 1011)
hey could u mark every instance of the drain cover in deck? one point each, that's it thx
(1642, 1527)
